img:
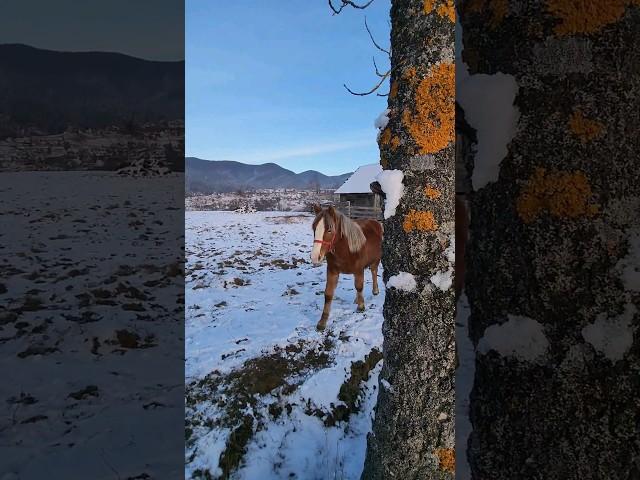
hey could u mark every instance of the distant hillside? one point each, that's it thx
(210, 176)
(43, 92)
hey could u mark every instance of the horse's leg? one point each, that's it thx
(374, 276)
(359, 283)
(332, 282)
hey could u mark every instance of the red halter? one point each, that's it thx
(324, 242)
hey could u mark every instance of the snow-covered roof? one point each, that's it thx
(360, 180)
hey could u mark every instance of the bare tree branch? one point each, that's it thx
(349, 3)
(383, 76)
(376, 67)
(373, 39)
(376, 87)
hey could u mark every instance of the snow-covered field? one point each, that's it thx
(268, 396)
(91, 330)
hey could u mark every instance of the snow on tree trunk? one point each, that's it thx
(552, 259)
(413, 431)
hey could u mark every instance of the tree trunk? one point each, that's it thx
(413, 431)
(551, 263)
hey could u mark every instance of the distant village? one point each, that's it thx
(277, 199)
(354, 198)
(153, 148)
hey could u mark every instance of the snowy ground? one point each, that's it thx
(268, 396)
(91, 330)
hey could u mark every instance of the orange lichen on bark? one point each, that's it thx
(384, 162)
(393, 91)
(586, 16)
(410, 74)
(432, 124)
(445, 8)
(431, 192)
(428, 5)
(385, 136)
(562, 194)
(418, 220)
(388, 139)
(585, 128)
(447, 459)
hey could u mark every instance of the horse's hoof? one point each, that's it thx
(376, 292)
(321, 326)
(360, 308)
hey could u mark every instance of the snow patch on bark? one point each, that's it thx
(519, 337)
(450, 251)
(402, 281)
(391, 183)
(487, 101)
(382, 120)
(612, 337)
(443, 280)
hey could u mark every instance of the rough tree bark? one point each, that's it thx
(552, 276)
(413, 432)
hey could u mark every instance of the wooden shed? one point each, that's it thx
(355, 198)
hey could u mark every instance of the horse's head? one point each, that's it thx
(324, 229)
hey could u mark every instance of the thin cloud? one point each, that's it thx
(277, 154)
(307, 150)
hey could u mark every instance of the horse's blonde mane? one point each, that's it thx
(352, 231)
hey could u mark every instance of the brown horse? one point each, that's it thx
(350, 246)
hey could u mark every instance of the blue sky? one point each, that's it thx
(150, 29)
(264, 83)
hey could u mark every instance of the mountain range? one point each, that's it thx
(211, 176)
(44, 92)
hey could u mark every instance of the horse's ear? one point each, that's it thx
(316, 208)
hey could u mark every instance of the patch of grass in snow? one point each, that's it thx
(237, 282)
(238, 395)
(236, 447)
(200, 473)
(351, 390)
(283, 264)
